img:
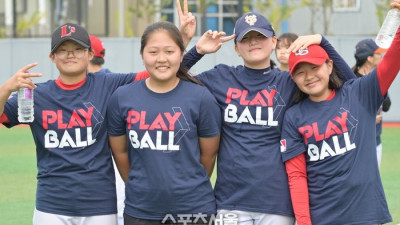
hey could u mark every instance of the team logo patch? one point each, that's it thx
(301, 52)
(67, 30)
(251, 19)
(283, 145)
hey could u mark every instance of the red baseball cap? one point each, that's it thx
(97, 46)
(313, 54)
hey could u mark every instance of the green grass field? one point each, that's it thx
(18, 174)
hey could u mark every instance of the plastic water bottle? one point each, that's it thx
(388, 29)
(25, 105)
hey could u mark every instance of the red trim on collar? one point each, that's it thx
(69, 86)
(331, 95)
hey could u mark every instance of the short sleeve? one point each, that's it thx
(115, 118)
(209, 124)
(11, 110)
(292, 142)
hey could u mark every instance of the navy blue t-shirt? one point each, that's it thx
(338, 137)
(163, 130)
(75, 170)
(251, 175)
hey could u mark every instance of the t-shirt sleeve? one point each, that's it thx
(209, 124)
(11, 111)
(292, 142)
(120, 79)
(115, 120)
(366, 89)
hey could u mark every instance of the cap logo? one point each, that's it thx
(67, 30)
(251, 19)
(301, 52)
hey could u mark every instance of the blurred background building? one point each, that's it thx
(26, 27)
(128, 18)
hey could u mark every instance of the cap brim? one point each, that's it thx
(266, 33)
(314, 61)
(69, 38)
(380, 50)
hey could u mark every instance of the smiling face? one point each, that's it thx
(313, 80)
(162, 57)
(71, 59)
(255, 49)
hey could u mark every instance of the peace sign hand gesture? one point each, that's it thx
(187, 22)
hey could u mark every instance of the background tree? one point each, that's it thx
(321, 8)
(276, 12)
(382, 9)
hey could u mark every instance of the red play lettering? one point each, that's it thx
(318, 136)
(143, 125)
(331, 129)
(172, 119)
(158, 123)
(75, 120)
(243, 100)
(60, 123)
(258, 100)
(342, 121)
(48, 116)
(133, 117)
(87, 115)
(307, 132)
(270, 96)
(232, 93)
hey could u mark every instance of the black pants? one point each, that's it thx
(129, 220)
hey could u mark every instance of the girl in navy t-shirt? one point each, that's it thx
(164, 134)
(328, 140)
(253, 97)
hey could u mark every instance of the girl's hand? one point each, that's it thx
(211, 41)
(395, 4)
(22, 79)
(187, 22)
(303, 42)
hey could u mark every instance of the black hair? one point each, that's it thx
(359, 63)
(97, 61)
(286, 39)
(174, 33)
(334, 83)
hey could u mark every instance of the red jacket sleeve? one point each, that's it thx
(389, 67)
(4, 118)
(297, 176)
(142, 75)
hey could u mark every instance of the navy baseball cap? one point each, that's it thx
(69, 31)
(367, 47)
(253, 22)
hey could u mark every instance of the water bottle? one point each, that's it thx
(25, 105)
(388, 29)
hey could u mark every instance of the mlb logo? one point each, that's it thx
(283, 145)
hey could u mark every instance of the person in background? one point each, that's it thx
(368, 54)
(282, 55)
(96, 64)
